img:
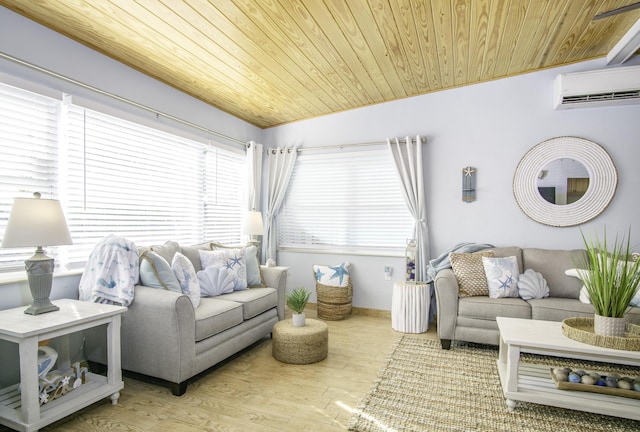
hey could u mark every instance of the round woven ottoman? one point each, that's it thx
(300, 345)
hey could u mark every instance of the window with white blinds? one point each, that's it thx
(349, 201)
(117, 177)
(29, 162)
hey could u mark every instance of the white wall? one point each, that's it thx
(32, 43)
(489, 126)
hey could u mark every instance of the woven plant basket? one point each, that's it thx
(334, 303)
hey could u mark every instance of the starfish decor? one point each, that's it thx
(340, 272)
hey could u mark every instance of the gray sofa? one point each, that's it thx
(473, 319)
(165, 337)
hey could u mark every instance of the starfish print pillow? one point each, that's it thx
(233, 260)
(502, 276)
(337, 275)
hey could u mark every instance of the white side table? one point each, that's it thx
(410, 307)
(21, 410)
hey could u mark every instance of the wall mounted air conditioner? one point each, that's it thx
(604, 87)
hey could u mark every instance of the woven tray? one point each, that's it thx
(581, 329)
(565, 385)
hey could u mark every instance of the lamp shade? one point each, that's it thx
(252, 223)
(36, 222)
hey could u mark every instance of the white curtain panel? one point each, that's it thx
(280, 162)
(254, 175)
(407, 156)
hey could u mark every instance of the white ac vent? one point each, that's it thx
(605, 87)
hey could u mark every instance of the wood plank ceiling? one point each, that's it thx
(271, 62)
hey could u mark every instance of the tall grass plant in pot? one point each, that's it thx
(297, 301)
(611, 280)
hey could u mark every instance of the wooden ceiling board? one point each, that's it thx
(272, 62)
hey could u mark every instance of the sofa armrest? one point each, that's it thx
(276, 277)
(447, 289)
(158, 334)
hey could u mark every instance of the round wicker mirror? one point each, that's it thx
(602, 183)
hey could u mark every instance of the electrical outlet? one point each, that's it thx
(388, 270)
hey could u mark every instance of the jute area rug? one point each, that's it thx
(425, 388)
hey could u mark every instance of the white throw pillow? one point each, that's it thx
(502, 276)
(186, 275)
(215, 281)
(532, 285)
(583, 275)
(336, 276)
(232, 260)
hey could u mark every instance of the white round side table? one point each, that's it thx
(410, 307)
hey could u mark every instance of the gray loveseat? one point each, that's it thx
(164, 336)
(473, 319)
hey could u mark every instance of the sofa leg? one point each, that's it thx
(178, 389)
(446, 343)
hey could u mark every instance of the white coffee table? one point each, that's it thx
(533, 383)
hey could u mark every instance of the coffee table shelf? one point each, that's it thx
(533, 383)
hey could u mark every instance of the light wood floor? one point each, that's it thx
(255, 392)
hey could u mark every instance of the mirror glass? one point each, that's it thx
(563, 181)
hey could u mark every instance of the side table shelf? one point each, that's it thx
(21, 409)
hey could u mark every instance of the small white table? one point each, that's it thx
(21, 410)
(410, 307)
(533, 383)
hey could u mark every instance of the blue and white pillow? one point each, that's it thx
(233, 260)
(336, 276)
(502, 276)
(186, 275)
(156, 272)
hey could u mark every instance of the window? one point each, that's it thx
(29, 162)
(114, 176)
(349, 201)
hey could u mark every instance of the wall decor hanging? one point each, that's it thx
(468, 184)
(565, 181)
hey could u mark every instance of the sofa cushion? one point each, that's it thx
(166, 250)
(156, 272)
(215, 316)
(480, 307)
(470, 273)
(507, 251)
(254, 272)
(502, 276)
(254, 300)
(191, 252)
(186, 275)
(553, 264)
(231, 259)
(557, 309)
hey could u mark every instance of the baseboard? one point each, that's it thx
(378, 313)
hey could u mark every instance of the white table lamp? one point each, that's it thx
(37, 222)
(252, 226)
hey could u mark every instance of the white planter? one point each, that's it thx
(608, 326)
(298, 319)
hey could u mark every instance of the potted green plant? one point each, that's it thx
(611, 279)
(297, 301)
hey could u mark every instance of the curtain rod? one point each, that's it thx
(121, 99)
(341, 146)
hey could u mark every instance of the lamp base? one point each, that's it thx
(40, 274)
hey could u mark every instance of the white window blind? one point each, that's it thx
(146, 185)
(349, 200)
(114, 176)
(28, 143)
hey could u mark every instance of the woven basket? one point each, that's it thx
(334, 303)
(581, 329)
